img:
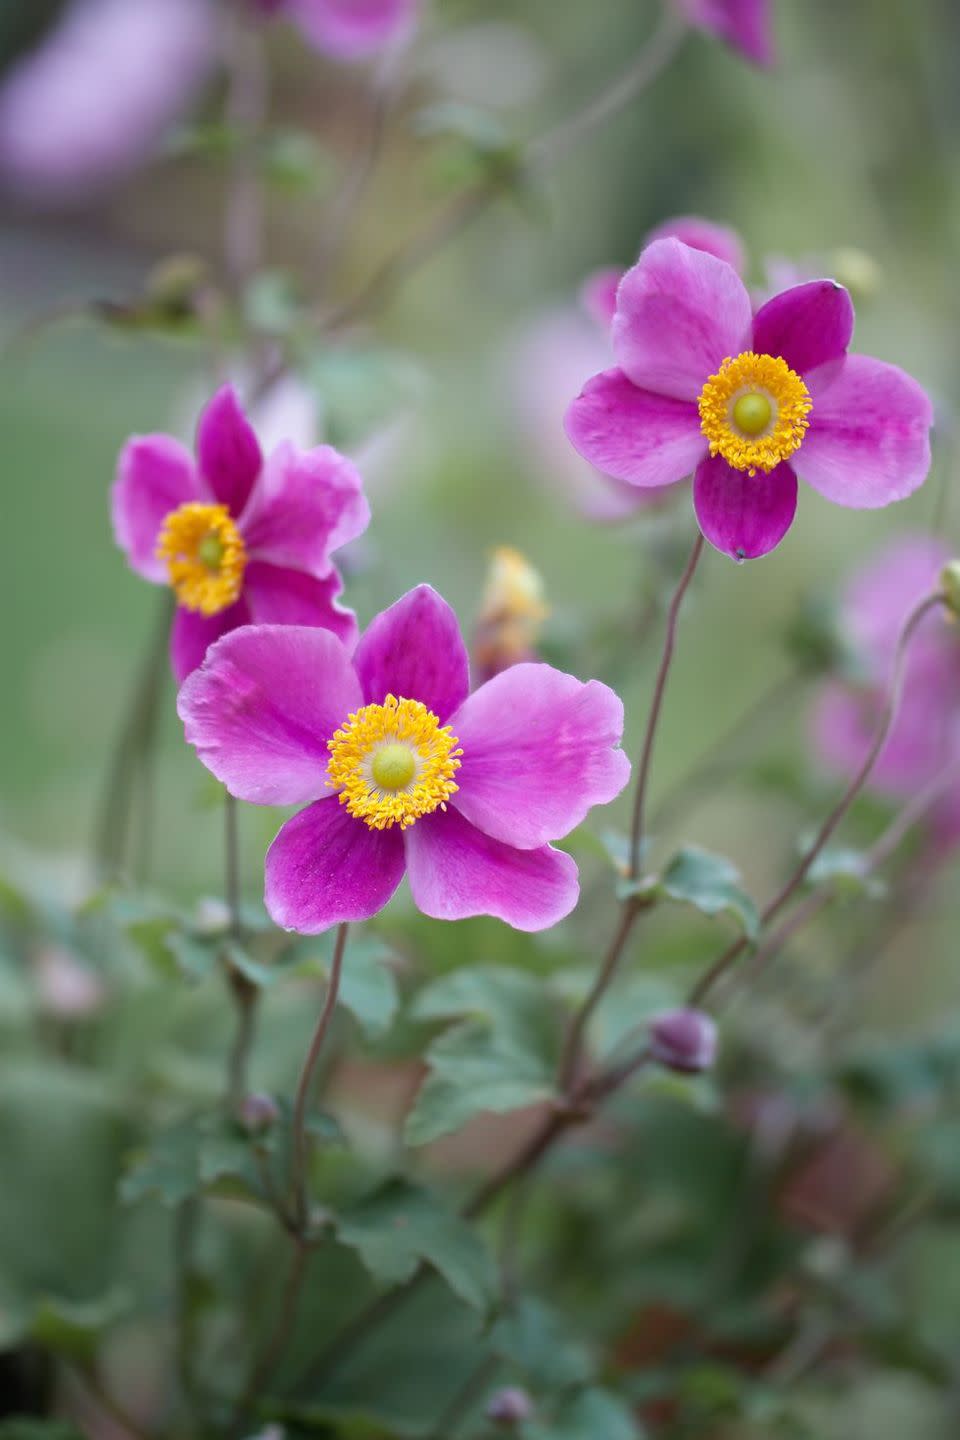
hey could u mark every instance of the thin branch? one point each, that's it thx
(273, 1351)
(246, 112)
(304, 1088)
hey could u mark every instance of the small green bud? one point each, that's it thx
(950, 585)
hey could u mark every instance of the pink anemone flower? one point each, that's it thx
(744, 25)
(703, 385)
(925, 738)
(348, 29)
(240, 539)
(403, 770)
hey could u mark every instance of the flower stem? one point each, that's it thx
(246, 112)
(304, 1088)
(243, 990)
(272, 1352)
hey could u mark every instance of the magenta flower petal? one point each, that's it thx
(353, 29)
(415, 651)
(278, 596)
(632, 434)
(744, 515)
(743, 24)
(808, 326)
(457, 871)
(228, 451)
(260, 710)
(869, 437)
(303, 507)
(192, 635)
(326, 867)
(699, 234)
(680, 314)
(539, 750)
(155, 474)
(598, 294)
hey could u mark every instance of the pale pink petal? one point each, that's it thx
(744, 515)
(923, 741)
(289, 597)
(260, 710)
(304, 507)
(415, 651)
(869, 437)
(598, 295)
(680, 314)
(634, 435)
(457, 871)
(699, 234)
(880, 597)
(192, 635)
(155, 475)
(808, 326)
(228, 451)
(353, 29)
(539, 751)
(326, 867)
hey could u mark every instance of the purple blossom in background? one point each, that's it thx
(745, 25)
(703, 385)
(241, 539)
(403, 770)
(91, 102)
(926, 735)
(348, 29)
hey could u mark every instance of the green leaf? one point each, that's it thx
(362, 390)
(30, 1427)
(711, 884)
(194, 1155)
(74, 1329)
(367, 986)
(593, 1413)
(847, 872)
(502, 1058)
(399, 1226)
(535, 1339)
(295, 162)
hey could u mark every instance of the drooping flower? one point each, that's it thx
(703, 385)
(348, 29)
(513, 611)
(745, 25)
(92, 100)
(925, 738)
(403, 770)
(558, 353)
(239, 538)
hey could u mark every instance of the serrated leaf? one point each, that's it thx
(400, 1226)
(189, 1157)
(847, 872)
(711, 884)
(501, 1059)
(535, 1339)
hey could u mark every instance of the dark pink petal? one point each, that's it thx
(353, 29)
(192, 635)
(869, 437)
(809, 325)
(598, 294)
(304, 507)
(539, 750)
(633, 434)
(746, 25)
(718, 240)
(228, 451)
(415, 651)
(744, 515)
(289, 597)
(680, 314)
(326, 867)
(260, 710)
(155, 474)
(457, 871)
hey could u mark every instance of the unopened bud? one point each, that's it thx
(684, 1040)
(512, 613)
(258, 1112)
(66, 987)
(509, 1406)
(950, 585)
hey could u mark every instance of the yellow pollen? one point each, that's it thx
(205, 556)
(754, 411)
(393, 763)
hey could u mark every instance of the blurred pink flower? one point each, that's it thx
(348, 29)
(745, 25)
(926, 736)
(67, 988)
(703, 385)
(91, 102)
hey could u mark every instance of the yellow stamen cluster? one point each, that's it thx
(393, 763)
(205, 556)
(754, 411)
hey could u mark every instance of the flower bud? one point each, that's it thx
(67, 988)
(684, 1040)
(509, 1406)
(512, 613)
(258, 1112)
(950, 585)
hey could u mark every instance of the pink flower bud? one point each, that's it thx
(684, 1040)
(509, 1406)
(258, 1112)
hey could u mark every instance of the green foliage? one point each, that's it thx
(710, 883)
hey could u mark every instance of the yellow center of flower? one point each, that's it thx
(393, 763)
(754, 411)
(205, 556)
